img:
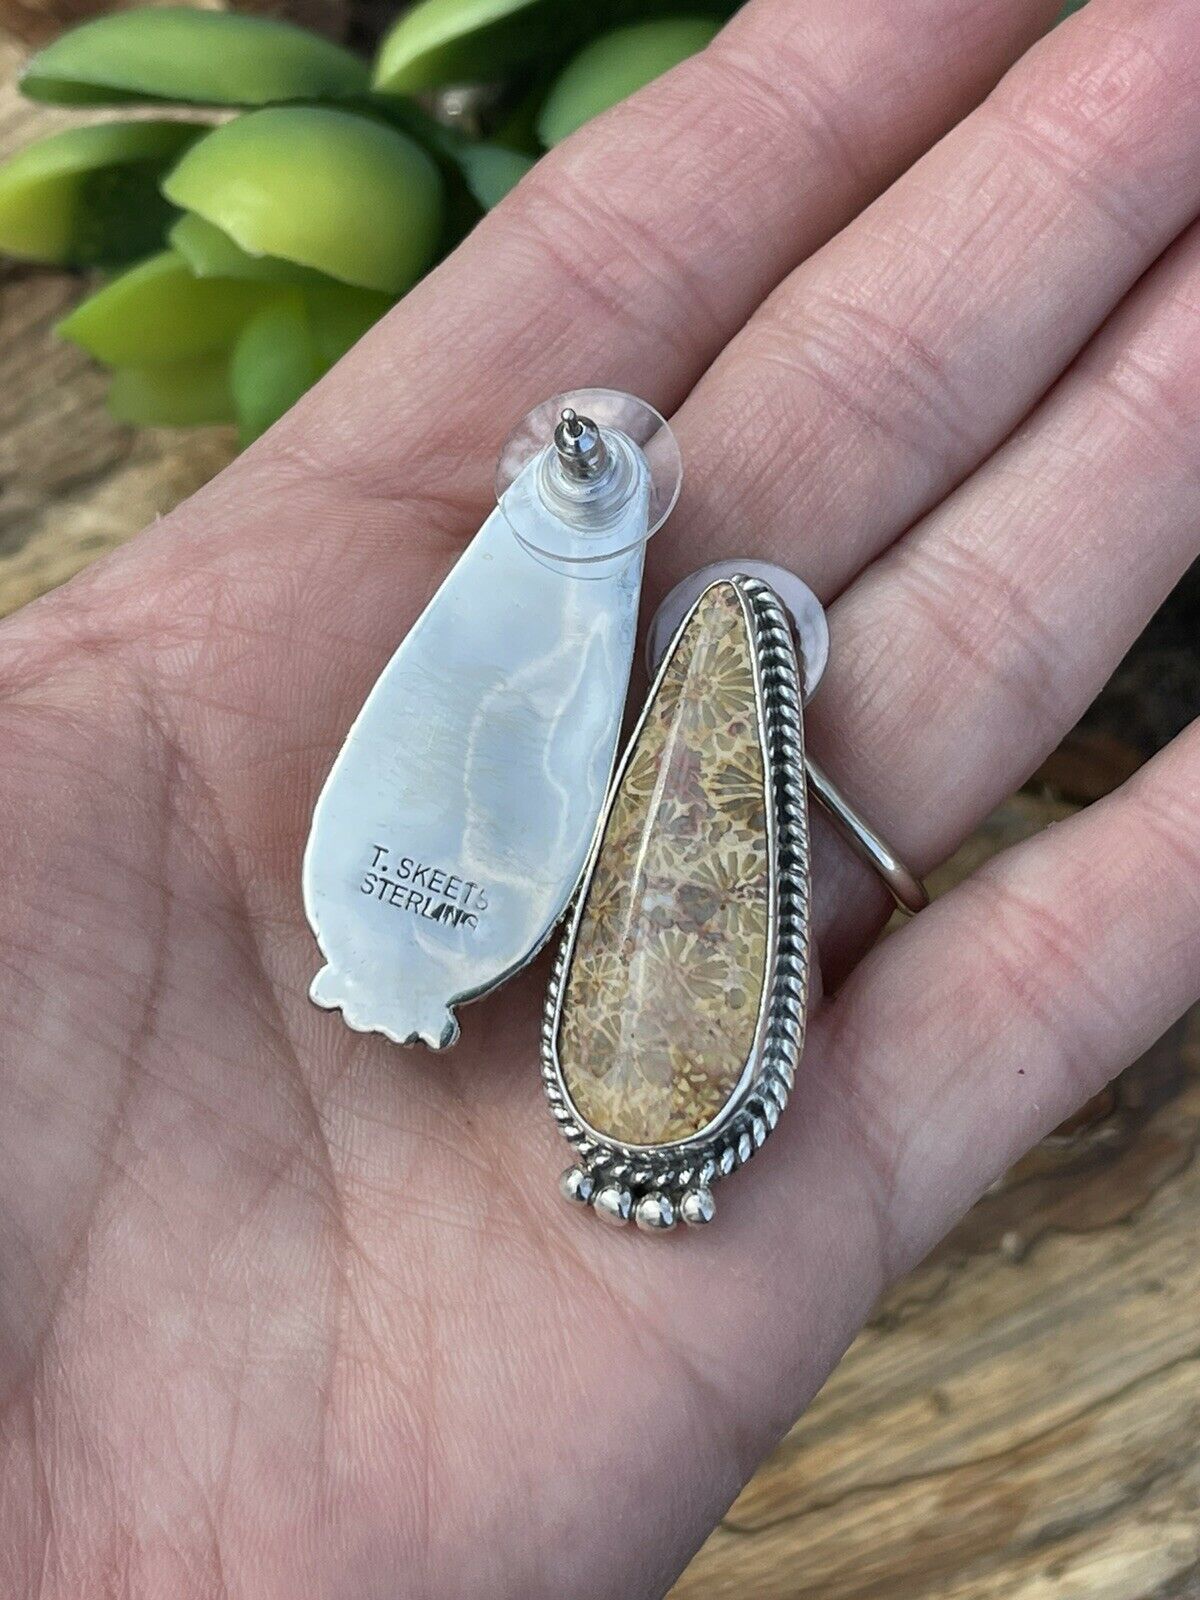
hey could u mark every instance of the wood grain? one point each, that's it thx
(1021, 1420)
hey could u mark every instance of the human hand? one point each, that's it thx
(285, 1311)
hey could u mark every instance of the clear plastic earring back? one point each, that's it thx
(587, 477)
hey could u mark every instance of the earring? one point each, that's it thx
(676, 1012)
(452, 829)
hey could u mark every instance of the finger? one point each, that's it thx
(958, 1043)
(627, 258)
(994, 1015)
(953, 1047)
(266, 606)
(962, 657)
(893, 361)
(634, 251)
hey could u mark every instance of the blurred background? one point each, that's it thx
(1021, 1419)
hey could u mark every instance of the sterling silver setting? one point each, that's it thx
(657, 1185)
(450, 832)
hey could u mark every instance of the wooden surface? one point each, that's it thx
(1021, 1420)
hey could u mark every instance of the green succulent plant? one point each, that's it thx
(204, 58)
(91, 196)
(341, 193)
(160, 311)
(615, 66)
(247, 240)
(243, 257)
(173, 394)
(462, 41)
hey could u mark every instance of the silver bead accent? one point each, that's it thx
(697, 1207)
(578, 1185)
(613, 1204)
(654, 1213)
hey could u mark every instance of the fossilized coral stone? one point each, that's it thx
(661, 1002)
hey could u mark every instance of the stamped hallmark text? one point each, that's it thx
(422, 889)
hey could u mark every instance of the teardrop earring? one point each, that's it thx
(676, 1012)
(452, 829)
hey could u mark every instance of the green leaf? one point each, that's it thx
(484, 169)
(345, 194)
(273, 363)
(283, 350)
(158, 311)
(176, 394)
(90, 196)
(615, 66)
(339, 315)
(463, 41)
(441, 41)
(491, 170)
(215, 58)
(212, 254)
(516, 128)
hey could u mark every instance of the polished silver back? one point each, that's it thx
(455, 822)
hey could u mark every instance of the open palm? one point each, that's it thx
(285, 1311)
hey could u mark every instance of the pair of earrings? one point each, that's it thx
(475, 799)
